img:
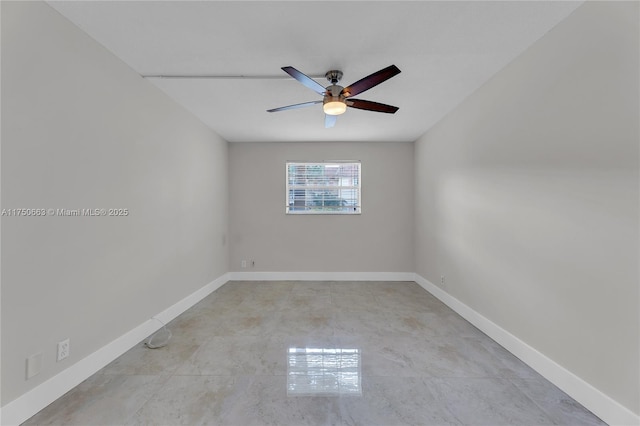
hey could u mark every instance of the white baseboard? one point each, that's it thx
(321, 276)
(27, 405)
(593, 399)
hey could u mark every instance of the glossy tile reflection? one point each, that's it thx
(318, 353)
(323, 371)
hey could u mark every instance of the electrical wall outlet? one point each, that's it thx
(442, 279)
(63, 350)
(243, 264)
(34, 365)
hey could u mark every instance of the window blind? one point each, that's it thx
(323, 188)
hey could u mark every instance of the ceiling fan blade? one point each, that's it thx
(330, 120)
(296, 106)
(371, 106)
(370, 81)
(306, 80)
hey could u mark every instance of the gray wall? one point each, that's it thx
(378, 240)
(82, 130)
(527, 198)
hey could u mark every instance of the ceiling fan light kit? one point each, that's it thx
(334, 107)
(336, 98)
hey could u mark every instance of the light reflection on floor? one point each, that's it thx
(323, 372)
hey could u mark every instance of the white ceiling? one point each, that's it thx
(446, 50)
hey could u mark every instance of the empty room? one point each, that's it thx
(320, 213)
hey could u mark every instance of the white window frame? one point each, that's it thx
(353, 210)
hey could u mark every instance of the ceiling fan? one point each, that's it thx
(336, 98)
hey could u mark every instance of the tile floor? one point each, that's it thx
(316, 353)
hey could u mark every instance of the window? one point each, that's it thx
(323, 188)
